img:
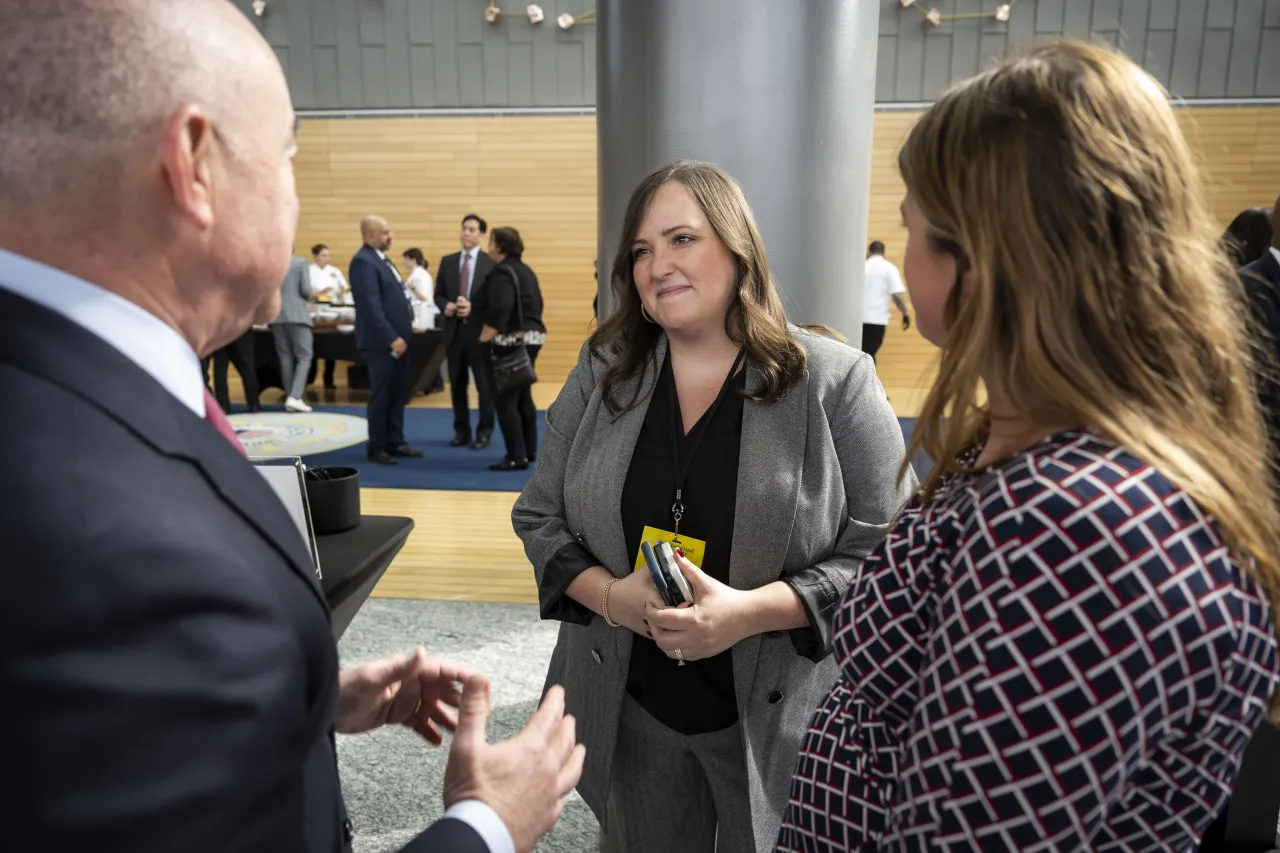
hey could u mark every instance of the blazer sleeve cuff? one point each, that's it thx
(818, 596)
(553, 603)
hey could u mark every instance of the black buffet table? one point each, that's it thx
(426, 356)
(352, 563)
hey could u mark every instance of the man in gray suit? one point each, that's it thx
(292, 332)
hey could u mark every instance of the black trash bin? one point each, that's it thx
(334, 497)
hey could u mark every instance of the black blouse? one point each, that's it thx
(698, 697)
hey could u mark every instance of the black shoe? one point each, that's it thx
(405, 451)
(533, 457)
(255, 409)
(460, 440)
(510, 465)
(382, 458)
(483, 440)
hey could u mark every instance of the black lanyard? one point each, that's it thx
(695, 437)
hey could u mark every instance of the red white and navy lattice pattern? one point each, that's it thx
(1057, 653)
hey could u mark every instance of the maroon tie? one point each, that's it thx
(213, 414)
(465, 287)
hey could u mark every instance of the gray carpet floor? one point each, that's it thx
(391, 778)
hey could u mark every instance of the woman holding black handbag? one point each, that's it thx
(511, 305)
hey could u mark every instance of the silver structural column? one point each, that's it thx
(781, 95)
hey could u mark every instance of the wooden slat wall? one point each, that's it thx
(1239, 154)
(538, 174)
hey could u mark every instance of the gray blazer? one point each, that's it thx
(817, 490)
(295, 294)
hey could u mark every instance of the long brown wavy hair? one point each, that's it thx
(755, 320)
(1097, 292)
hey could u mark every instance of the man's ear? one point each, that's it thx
(187, 161)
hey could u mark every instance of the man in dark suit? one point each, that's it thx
(1249, 821)
(167, 665)
(458, 279)
(384, 327)
(1261, 281)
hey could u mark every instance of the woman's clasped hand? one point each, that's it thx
(714, 622)
(630, 599)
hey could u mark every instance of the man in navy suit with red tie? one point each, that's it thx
(168, 676)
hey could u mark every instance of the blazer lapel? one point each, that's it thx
(769, 468)
(245, 490)
(49, 345)
(606, 471)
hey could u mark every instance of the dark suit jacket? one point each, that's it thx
(167, 666)
(448, 284)
(1261, 281)
(382, 310)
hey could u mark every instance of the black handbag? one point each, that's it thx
(516, 369)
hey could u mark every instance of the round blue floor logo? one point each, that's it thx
(290, 434)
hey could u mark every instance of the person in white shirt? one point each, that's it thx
(882, 283)
(421, 290)
(169, 674)
(326, 278)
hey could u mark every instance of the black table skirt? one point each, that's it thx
(426, 355)
(352, 563)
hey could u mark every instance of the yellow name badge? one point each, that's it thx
(694, 549)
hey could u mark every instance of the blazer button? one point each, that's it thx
(775, 697)
(595, 656)
(773, 635)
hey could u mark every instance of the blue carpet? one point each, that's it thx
(456, 468)
(443, 467)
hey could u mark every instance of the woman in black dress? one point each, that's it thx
(511, 305)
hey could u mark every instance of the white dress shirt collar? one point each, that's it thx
(1275, 253)
(141, 337)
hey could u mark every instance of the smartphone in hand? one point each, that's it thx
(655, 572)
(671, 571)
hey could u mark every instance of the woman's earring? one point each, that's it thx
(645, 315)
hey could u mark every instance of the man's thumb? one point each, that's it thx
(473, 711)
(388, 671)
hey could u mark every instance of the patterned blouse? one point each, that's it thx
(1055, 653)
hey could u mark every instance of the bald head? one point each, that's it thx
(158, 136)
(375, 232)
(84, 84)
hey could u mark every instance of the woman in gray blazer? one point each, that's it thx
(770, 455)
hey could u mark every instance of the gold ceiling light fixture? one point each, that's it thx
(537, 15)
(935, 17)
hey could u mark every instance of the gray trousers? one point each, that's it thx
(674, 792)
(293, 348)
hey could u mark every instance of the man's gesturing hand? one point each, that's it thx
(524, 779)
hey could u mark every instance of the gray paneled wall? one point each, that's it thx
(1197, 48)
(427, 54)
(432, 54)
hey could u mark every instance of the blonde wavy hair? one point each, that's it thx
(1097, 293)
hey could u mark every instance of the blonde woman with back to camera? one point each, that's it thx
(696, 411)
(1066, 640)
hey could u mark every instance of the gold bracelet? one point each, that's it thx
(604, 604)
